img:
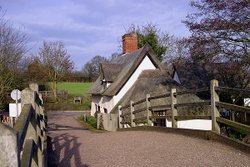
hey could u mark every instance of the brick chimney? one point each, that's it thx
(129, 43)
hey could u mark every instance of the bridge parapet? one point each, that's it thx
(25, 143)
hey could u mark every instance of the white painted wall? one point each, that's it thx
(199, 124)
(146, 64)
(103, 102)
(95, 100)
(107, 102)
(168, 123)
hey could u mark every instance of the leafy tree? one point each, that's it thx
(150, 34)
(92, 68)
(221, 33)
(12, 49)
(56, 60)
(36, 71)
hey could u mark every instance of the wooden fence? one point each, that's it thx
(62, 93)
(128, 114)
(25, 144)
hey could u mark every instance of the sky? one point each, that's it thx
(92, 27)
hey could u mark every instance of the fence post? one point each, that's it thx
(233, 115)
(214, 110)
(131, 113)
(149, 113)
(173, 108)
(119, 117)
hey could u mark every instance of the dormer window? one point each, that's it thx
(105, 84)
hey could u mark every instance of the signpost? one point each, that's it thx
(16, 95)
(15, 111)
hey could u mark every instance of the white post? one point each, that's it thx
(214, 110)
(149, 113)
(131, 113)
(173, 108)
(16, 104)
(119, 117)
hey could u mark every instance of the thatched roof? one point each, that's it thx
(155, 82)
(128, 64)
(110, 71)
(194, 75)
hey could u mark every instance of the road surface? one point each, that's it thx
(74, 145)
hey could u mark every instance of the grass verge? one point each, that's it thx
(89, 122)
(74, 88)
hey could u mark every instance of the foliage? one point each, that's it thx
(221, 33)
(36, 72)
(75, 76)
(150, 34)
(66, 104)
(12, 49)
(74, 88)
(56, 60)
(89, 120)
(92, 68)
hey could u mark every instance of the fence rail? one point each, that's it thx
(159, 96)
(233, 107)
(194, 91)
(234, 124)
(51, 93)
(190, 117)
(234, 91)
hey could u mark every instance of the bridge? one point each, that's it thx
(72, 144)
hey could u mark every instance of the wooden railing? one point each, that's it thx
(232, 108)
(128, 114)
(27, 139)
(51, 93)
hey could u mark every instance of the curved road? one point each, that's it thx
(73, 145)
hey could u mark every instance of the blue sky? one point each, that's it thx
(92, 27)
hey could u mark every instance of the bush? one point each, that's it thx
(90, 120)
(66, 103)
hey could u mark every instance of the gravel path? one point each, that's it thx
(73, 145)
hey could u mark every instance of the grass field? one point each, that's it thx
(74, 88)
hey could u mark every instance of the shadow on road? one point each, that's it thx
(63, 150)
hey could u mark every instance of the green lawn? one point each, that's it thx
(74, 88)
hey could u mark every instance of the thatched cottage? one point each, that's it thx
(131, 76)
(118, 76)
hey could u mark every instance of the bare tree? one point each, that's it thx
(221, 33)
(57, 62)
(12, 49)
